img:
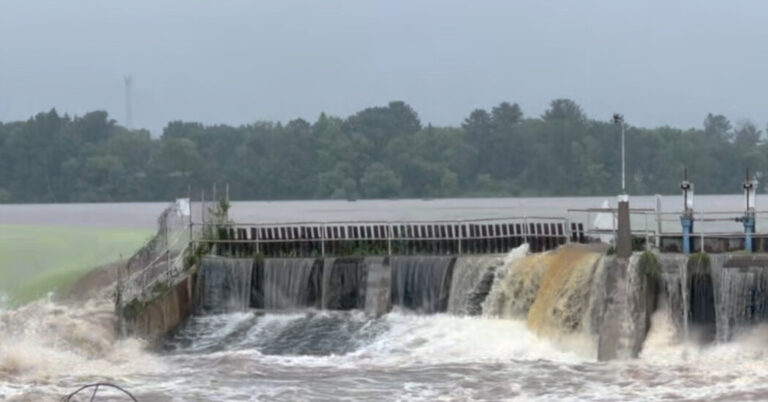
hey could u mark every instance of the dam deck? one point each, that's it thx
(390, 238)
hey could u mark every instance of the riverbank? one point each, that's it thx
(37, 259)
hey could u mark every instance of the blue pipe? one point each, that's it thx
(687, 222)
(749, 230)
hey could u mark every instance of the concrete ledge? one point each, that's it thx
(152, 320)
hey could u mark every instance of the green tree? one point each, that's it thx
(380, 181)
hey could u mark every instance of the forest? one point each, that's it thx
(379, 152)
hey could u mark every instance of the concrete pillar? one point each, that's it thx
(378, 286)
(624, 233)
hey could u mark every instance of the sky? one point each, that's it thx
(236, 62)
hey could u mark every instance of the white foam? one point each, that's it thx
(414, 339)
(44, 343)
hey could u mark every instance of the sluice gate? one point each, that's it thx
(389, 238)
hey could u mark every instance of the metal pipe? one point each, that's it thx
(623, 161)
(618, 119)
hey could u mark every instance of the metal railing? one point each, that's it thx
(388, 234)
(159, 263)
(652, 228)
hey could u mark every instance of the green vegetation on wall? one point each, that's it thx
(650, 267)
(699, 266)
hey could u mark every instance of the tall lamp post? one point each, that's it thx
(618, 120)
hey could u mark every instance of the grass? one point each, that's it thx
(35, 260)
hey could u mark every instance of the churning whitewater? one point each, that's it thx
(520, 326)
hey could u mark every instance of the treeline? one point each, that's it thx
(379, 152)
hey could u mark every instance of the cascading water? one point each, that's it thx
(674, 290)
(343, 283)
(740, 293)
(690, 291)
(48, 348)
(322, 355)
(515, 285)
(257, 283)
(292, 283)
(563, 298)
(472, 280)
(553, 291)
(421, 284)
(699, 308)
(223, 284)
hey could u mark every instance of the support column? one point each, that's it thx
(624, 233)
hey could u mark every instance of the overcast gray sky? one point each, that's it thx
(234, 62)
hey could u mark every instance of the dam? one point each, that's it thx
(216, 325)
(556, 274)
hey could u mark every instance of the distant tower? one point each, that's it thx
(128, 111)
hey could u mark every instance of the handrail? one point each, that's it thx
(699, 212)
(324, 237)
(382, 222)
(631, 210)
(651, 211)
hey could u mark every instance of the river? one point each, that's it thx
(49, 348)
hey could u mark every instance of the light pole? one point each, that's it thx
(618, 119)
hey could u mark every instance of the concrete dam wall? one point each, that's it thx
(576, 292)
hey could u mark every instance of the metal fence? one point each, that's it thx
(652, 225)
(388, 237)
(160, 261)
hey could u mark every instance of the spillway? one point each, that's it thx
(292, 283)
(740, 287)
(343, 283)
(575, 291)
(472, 280)
(223, 284)
(421, 283)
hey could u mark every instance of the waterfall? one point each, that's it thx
(688, 287)
(675, 289)
(223, 284)
(563, 298)
(472, 280)
(711, 297)
(685, 293)
(343, 283)
(257, 283)
(740, 292)
(699, 309)
(516, 283)
(554, 291)
(421, 283)
(292, 282)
